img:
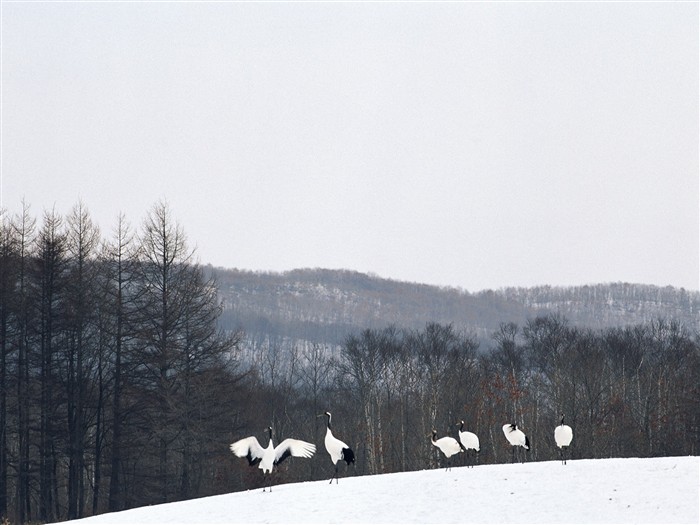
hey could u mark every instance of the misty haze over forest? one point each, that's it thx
(321, 306)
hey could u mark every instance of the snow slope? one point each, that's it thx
(659, 490)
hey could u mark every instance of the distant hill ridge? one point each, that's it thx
(323, 306)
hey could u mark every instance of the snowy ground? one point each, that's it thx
(660, 490)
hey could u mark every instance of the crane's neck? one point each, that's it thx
(562, 419)
(329, 420)
(461, 426)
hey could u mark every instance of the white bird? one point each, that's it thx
(448, 445)
(266, 458)
(563, 436)
(336, 449)
(469, 440)
(515, 437)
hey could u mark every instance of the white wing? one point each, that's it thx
(448, 445)
(293, 447)
(248, 448)
(563, 435)
(469, 440)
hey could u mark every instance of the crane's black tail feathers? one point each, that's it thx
(348, 455)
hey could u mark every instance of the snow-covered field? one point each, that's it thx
(659, 490)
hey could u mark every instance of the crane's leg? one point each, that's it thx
(269, 481)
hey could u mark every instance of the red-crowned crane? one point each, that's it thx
(266, 458)
(563, 436)
(516, 438)
(448, 445)
(469, 441)
(338, 450)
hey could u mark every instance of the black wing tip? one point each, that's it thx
(251, 460)
(284, 456)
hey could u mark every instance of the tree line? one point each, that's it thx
(627, 392)
(118, 388)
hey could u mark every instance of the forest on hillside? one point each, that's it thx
(320, 306)
(121, 387)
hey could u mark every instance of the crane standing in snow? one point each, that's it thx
(266, 458)
(336, 449)
(448, 445)
(563, 436)
(469, 441)
(516, 438)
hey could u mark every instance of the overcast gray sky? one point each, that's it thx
(477, 145)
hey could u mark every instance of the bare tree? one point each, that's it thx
(82, 241)
(24, 228)
(363, 365)
(9, 260)
(509, 358)
(49, 279)
(178, 340)
(120, 269)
